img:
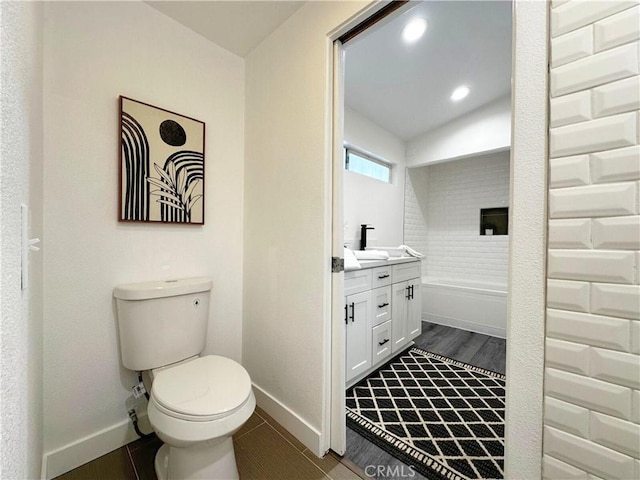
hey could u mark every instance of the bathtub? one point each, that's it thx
(477, 306)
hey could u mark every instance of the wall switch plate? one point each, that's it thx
(28, 245)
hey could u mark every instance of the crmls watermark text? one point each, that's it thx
(388, 471)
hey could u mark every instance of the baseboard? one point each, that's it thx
(296, 425)
(89, 448)
(465, 325)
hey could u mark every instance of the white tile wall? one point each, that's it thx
(616, 300)
(569, 109)
(415, 211)
(572, 357)
(607, 332)
(595, 70)
(450, 196)
(552, 468)
(568, 295)
(618, 29)
(570, 233)
(602, 200)
(587, 455)
(616, 165)
(616, 233)
(612, 98)
(569, 171)
(592, 359)
(600, 134)
(571, 47)
(569, 417)
(596, 265)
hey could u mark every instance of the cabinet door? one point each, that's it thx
(414, 309)
(357, 281)
(358, 334)
(381, 305)
(406, 271)
(399, 294)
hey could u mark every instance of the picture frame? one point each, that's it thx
(162, 160)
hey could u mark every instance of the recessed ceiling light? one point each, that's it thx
(459, 93)
(414, 30)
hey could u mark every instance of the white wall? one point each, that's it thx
(20, 182)
(371, 201)
(452, 197)
(527, 245)
(484, 130)
(95, 51)
(287, 227)
(592, 374)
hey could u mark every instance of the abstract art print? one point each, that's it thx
(161, 165)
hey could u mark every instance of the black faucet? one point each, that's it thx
(363, 235)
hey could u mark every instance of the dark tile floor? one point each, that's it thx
(474, 348)
(266, 451)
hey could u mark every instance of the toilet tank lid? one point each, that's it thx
(164, 288)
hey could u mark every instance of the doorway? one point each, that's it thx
(514, 227)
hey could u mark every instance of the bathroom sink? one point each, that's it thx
(394, 252)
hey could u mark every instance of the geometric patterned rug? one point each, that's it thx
(442, 417)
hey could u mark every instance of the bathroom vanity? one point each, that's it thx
(382, 312)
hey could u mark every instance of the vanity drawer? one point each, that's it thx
(381, 342)
(406, 271)
(381, 305)
(357, 281)
(381, 276)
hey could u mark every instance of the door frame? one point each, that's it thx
(528, 227)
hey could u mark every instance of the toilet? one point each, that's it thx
(197, 402)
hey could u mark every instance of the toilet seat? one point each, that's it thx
(201, 390)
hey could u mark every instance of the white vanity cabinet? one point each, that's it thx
(382, 313)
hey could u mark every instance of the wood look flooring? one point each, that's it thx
(473, 348)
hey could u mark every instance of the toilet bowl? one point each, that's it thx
(195, 408)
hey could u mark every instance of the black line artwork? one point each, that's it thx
(135, 159)
(182, 173)
(162, 165)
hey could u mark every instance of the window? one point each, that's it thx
(494, 221)
(359, 162)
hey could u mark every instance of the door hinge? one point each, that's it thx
(337, 264)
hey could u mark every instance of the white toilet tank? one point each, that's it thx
(162, 322)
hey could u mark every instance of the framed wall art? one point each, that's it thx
(161, 165)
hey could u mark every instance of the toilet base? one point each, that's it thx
(213, 460)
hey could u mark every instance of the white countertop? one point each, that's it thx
(382, 263)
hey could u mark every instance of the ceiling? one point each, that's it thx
(405, 88)
(237, 26)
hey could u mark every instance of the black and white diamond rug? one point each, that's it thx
(442, 417)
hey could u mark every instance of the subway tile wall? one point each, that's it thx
(592, 358)
(442, 217)
(415, 211)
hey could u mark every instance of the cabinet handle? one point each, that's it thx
(383, 276)
(353, 312)
(411, 291)
(383, 342)
(346, 314)
(383, 305)
(408, 297)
